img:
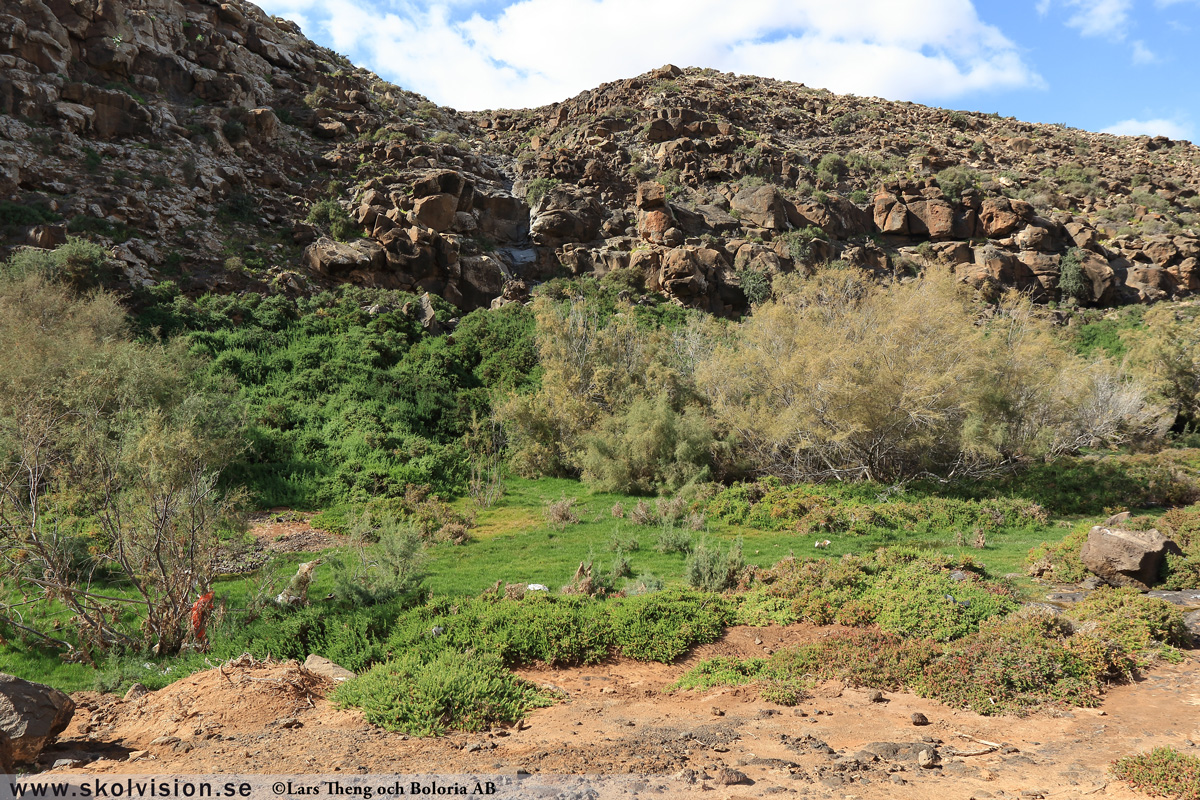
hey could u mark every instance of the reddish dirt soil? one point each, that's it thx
(251, 717)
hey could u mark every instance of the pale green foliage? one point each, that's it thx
(391, 568)
(600, 376)
(649, 447)
(1167, 352)
(93, 423)
(712, 569)
(78, 262)
(840, 377)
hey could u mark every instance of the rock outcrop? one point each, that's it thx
(1126, 558)
(31, 716)
(215, 146)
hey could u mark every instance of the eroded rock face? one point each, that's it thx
(261, 125)
(31, 716)
(565, 215)
(1126, 558)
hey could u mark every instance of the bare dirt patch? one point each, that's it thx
(279, 530)
(617, 718)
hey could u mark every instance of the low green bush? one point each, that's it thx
(1162, 772)
(662, 626)
(864, 509)
(714, 569)
(454, 690)
(920, 600)
(1144, 627)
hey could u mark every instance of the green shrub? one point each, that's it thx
(391, 569)
(956, 180)
(830, 168)
(756, 285)
(79, 263)
(1017, 665)
(918, 600)
(662, 626)
(673, 540)
(714, 569)
(1060, 560)
(329, 214)
(651, 447)
(1073, 282)
(1144, 627)
(538, 188)
(23, 214)
(1091, 485)
(721, 671)
(858, 510)
(234, 131)
(466, 691)
(559, 631)
(1162, 772)
(864, 658)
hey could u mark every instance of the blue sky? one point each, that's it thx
(1125, 66)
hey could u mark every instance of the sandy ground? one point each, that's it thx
(617, 718)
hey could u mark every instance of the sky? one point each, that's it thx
(1121, 66)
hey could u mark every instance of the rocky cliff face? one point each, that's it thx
(890, 187)
(195, 138)
(211, 145)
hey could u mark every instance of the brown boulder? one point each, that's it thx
(262, 125)
(329, 129)
(891, 216)
(1083, 236)
(564, 215)
(31, 716)
(1151, 283)
(682, 274)
(651, 194)
(1161, 250)
(436, 211)
(932, 218)
(1099, 273)
(653, 225)
(1001, 216)
(1126, 558)
(1187, 274)
(763, 206)
(327, 257)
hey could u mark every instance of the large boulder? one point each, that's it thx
(565, 215)
(1001, 216)
(436, 211)
(31, 716)
(1126, 558)
(327, 257)
(763, 206)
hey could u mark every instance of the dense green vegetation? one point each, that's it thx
(663, 473)
(346, 395)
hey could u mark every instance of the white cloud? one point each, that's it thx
(1151, 127)
(1101, 17)
(1143, 54)
(540, 51)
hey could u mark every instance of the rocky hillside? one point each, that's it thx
(211, 145)
(216, 147)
